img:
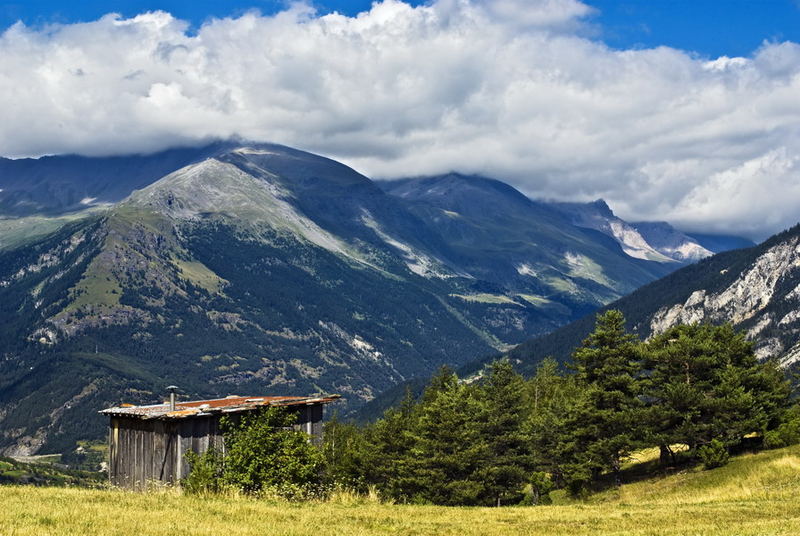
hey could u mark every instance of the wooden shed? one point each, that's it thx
(148, 444)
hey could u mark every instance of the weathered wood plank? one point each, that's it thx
(143, 451)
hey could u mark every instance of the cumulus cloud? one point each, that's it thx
(512, 89)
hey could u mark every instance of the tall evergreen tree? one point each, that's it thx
(606, 425)
(439, 382)
(553, 398)
(389, 462)
(450, 450)
(509, 464)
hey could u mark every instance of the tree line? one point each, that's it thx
(696, 392)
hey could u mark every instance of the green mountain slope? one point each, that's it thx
(499, 234)
(262, 269)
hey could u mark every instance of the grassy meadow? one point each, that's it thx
(755, 494)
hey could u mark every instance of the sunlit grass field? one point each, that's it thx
(755, 494)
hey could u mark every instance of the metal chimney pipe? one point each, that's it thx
(172, 389)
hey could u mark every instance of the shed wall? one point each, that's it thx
(143, 452)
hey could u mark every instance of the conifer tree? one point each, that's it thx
(389, 461)
(450, 450)
(705, 383)
(509, 464)
(553, 399)
(606, 424)
(439, 382)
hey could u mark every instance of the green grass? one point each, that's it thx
(533, 299)
(14, 472)
(757, 494)
(96, 446)
(199, 274)
(98, 287)
(583, 266)
(760, 477)
(562, 285)
(125, 216)
(485, 298)
(15, 232)
(45, 458)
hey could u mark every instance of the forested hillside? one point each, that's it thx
(262, 269)
(754, 288)
(694, 393)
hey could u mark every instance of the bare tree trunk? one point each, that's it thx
(666, 456)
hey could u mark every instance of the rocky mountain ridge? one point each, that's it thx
(655, 241)
(756, 289)
(765, 297)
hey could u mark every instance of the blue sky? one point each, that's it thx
(709, 27)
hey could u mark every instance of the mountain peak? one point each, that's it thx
(458, 192)
(655, 241)
(298, 170)
(602, 207)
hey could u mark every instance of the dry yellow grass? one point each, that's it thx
(755, 495)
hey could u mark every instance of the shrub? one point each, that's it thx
(541, 486)
(266, 455)
(206, 473)
(714, 455)
(787, 433)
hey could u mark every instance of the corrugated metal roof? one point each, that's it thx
(200, 408)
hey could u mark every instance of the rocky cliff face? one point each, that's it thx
(756, 289)
(764, 298)
(655, 241)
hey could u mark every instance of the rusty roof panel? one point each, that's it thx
(200, 408)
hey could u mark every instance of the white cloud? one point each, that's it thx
(509, 88)
(757, 193)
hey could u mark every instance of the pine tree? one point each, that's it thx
(449, 451)
(439, 382)
(705, 383)
(510, 463)
(606, 424)
(553, 398)
(388, 463)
